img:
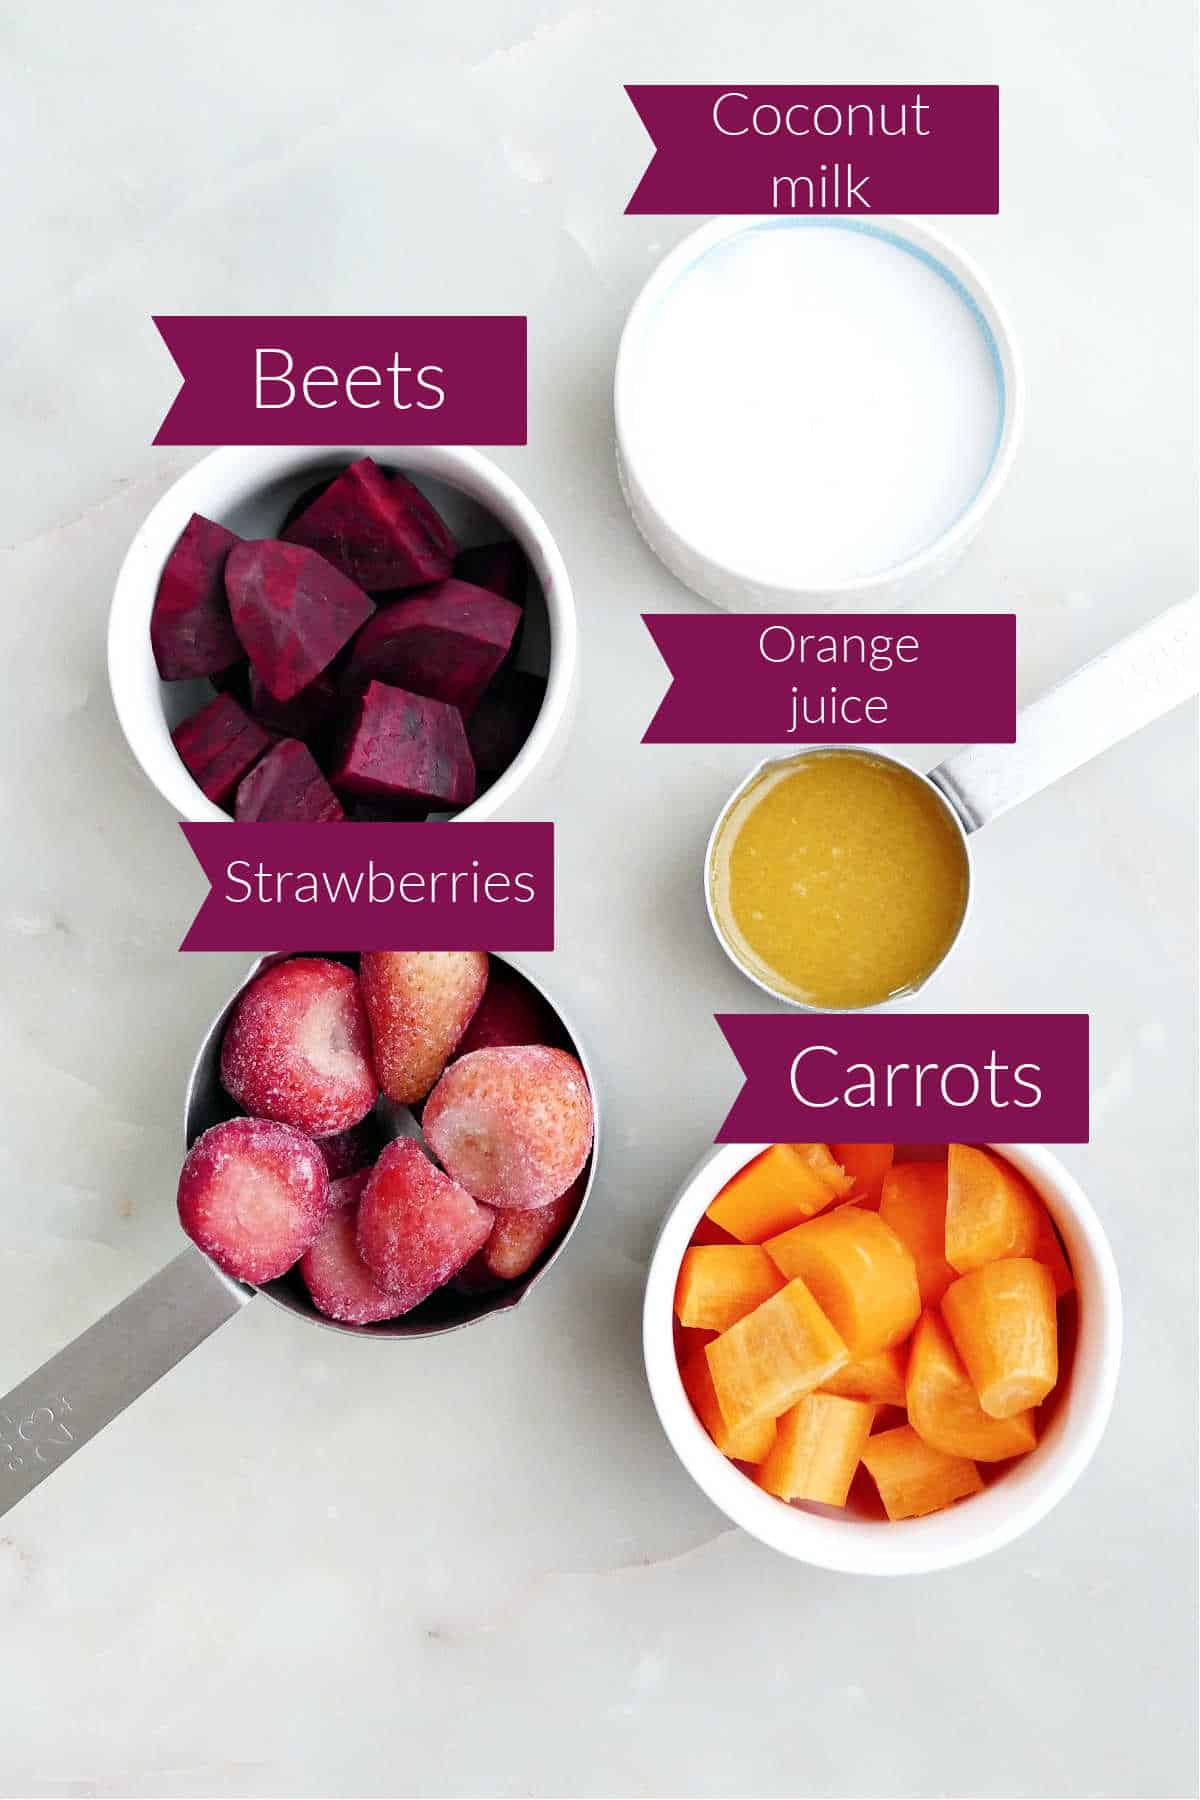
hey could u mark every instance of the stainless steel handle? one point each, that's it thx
(73, 1396)
(1139, 679)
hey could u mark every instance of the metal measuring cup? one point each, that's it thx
(1137, 680)
(74, 1395)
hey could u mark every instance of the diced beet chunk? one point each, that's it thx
(302, 502)
(191, 632)
(503, 720)
(287, 784)
(292, 610)
(301, 716)
(501, 568)
(235, 681)
(379, 530)
(404, 746)
(446, 642)
(218, 746)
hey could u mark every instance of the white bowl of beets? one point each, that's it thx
(398, 1142)
(319, 635)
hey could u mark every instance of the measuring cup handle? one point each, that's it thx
(73, 1396)
(1138, 680)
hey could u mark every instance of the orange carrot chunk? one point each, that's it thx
(879, 1378)
(861, 1274)
(913, 1478)
(1004, 1325)
(720, 1283)
(991, 1211)
(866, 1165)
(787, 1183)
(774, 1356)
(818, 1446)
(913, 1203)
(1049, 1250)
(750, 1442)
(943, 1408)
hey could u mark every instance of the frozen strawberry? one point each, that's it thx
(287, 784)
(341, 1285)
(514, 1126)
(377, 529)
(503, 720)
(218, 746)
(416, 1227)
(446, 641)
(347, 1190)
(298, 1048)
(254, 1195)
(511, 1012)
(500, 567)
(347, 1151)
(419, 1003)
(191, 632)
(520, 1235)
(292, 610)
(404, 747)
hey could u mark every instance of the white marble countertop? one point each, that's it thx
(305, 1566)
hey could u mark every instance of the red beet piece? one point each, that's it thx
(377, 529)
(403, 746)
(292, 610)
(503, 720)
(287, 784)
(191, 632)
(511, 1012)
(218, 746)
(341, 1285)
(254, 1195)
(501, 567)
(297, 1047)
(514, 1126)
(300, 717)
(416, 1227)
(346, 1152)
(445, 642)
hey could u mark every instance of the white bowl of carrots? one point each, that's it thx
(881, 1360)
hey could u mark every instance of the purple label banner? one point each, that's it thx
(753, 678)
(909, 1078)
(374, 887)
(741, 149)
(453, 379)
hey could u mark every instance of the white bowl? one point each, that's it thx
(727, 581)
(1021, 1493)
(249, 490)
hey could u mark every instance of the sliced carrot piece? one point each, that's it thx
(818, 1446)
(1004, 1325)
(861, 1274)
(866, 1165)
(787, 1183)
(1049, 1250)
(991, 1211)
(720, 1283)
(879, 1378)
(913, 1478)
(687, 1342)
(913, 1203)
(749, 1442)
(774, 1356)
(943, 1407)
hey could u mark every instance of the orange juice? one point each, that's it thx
(838, 879)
